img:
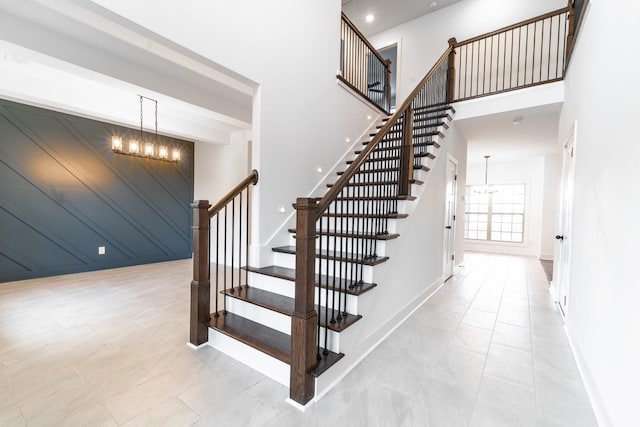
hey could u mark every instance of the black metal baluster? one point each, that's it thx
(240, 244)
(224, 272)
(558, 47)
(326, 293)
(246, 257)
(217, 261)
(233, 238)
(335, 261)
(318, 262)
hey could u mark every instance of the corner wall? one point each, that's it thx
(603, 317)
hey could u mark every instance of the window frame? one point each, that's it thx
(490, 215)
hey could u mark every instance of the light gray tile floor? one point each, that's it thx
(109, 348)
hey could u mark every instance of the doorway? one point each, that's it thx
(391, 53)
(562, 270)
(450, 217)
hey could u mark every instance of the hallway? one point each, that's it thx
(108, 348)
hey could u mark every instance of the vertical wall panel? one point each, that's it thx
(64, 193)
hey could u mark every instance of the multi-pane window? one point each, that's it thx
(496, 214)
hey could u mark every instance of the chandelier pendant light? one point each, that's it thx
(486, 189)
(148, 149)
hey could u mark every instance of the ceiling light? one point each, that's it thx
(433, 4)
(517, 120)
(486, 188)
(369, 18)
(140, 147)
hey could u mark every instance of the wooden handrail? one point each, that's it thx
(252, 178)
(514, 26)
(335, 190)
(362, 37)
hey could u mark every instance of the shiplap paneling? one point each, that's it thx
(64, 193)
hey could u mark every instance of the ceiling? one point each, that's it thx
(389, 14)
(496, 135)
(114, 55)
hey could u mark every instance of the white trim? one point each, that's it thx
(360, 97)
(197, 347)
(299, 407)
(438, 283)
(597, 404)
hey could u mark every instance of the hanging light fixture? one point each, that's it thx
(486, 188)
(149, 149)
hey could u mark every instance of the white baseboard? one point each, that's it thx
(589, 384)
(384, 331)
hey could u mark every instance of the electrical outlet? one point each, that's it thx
(101, 250)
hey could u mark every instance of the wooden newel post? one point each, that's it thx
(387, 85)
(305, 319)
(571, 17)
(200, 285)
(451, 70)
(406, 154)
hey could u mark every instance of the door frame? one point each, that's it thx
(562, 253)
(450, 219)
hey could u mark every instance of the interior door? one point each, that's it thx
(564, 237)
(450, 218)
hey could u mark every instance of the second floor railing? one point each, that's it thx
(362, 68)
(525, 54)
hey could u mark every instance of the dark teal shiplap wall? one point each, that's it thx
(64, 193)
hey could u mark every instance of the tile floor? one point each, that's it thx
(109, 348)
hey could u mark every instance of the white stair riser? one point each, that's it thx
(256, 359)
(287, 288)
(377, 206)
(279, 322)
(357, 224)
(288, 261)
(348, 245)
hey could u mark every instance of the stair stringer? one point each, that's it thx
(405, 281)
(261, 254)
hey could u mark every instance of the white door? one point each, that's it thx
(561, 274)
(450, 217)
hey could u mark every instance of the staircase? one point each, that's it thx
(256, 322)
(297, 319)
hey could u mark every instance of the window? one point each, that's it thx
(496, 215)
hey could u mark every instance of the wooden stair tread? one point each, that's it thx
(290, 274)
(381, 170)
(269, 341)
(387, 215)
(364, 184)
(428, 125)
(398, 147)
(384, 159)
(436, 107)
(355, 235)
(274, 343)
(377, 198)
(338, 256)
(285, 305)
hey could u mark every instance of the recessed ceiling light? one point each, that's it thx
(433, 4)
(517, 120)
(369, 18)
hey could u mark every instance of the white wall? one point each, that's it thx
(603, 315)
(526, 171)
(415, 267)
(301, 117)
(423, 40)
(550, 204)
(218, 168)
